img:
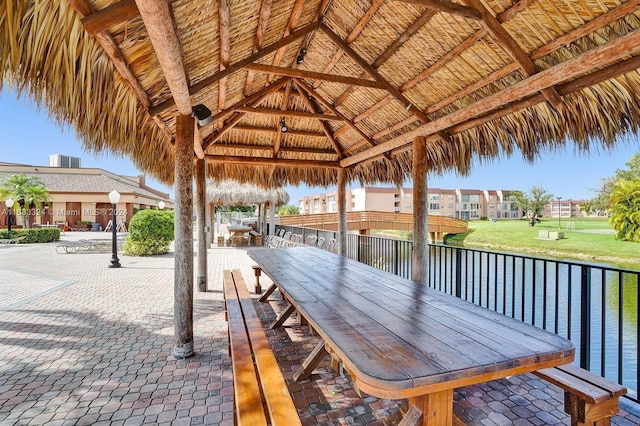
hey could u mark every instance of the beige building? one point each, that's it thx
(563, 209)
(82, 194)
(466, 204)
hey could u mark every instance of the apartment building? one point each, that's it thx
(466, 204)
(559, 208)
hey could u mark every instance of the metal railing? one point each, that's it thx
(595, 306)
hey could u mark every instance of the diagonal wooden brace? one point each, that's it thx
(283, 316)
(311, 362)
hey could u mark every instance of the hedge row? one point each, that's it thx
(33, 235)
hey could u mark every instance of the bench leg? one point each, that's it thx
(312, 361)
(586, 414)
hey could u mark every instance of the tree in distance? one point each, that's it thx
(531, 203)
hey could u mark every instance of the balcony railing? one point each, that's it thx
(595, 306)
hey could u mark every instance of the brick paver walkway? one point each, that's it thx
(82, 344)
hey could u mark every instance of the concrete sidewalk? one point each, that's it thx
(82, 344)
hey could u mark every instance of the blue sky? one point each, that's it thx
(29, 136)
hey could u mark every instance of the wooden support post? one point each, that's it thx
(202, 224)
(420, 260)
(257, 271)
(183, 230)
(342, 212)
(436, 407)
(272, 217)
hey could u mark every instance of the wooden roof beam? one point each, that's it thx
(298, 6)
(272, 130)
(600, 56)
(224, 25)
(325, 127)
(159, 24)
(283, 106)
(113, 14)
(268, 161)
(300, 114)
(312, 75)
(388, 86)
(512, 48)
(448, 7)
(233, 68)
(353, 35)
(310, 92)
(263, 20)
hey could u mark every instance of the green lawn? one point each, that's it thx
(591, 240)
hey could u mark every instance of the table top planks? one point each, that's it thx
(400, 338)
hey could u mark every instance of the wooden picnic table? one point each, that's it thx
(399, 339)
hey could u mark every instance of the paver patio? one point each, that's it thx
(84, 344)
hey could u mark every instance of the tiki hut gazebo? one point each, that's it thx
(324, 92)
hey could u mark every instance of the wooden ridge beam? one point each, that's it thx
(113, 14)
(600, 56)
(448, 7)
(312, 75)
(159, 24)
(283, 107)
(300, 114)
(325, 127)
(269, 161)
(233, 68)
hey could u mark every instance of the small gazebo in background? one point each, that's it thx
(230, 193)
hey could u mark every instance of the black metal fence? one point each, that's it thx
(595, 306)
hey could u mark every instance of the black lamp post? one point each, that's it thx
(9, 204)
(114, 197)
(559, 198)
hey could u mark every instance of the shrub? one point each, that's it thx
(32, 235)
(150, 233)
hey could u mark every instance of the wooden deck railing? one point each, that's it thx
(375, 220)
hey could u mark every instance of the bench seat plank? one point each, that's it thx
(245, 382)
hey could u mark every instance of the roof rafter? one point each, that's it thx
(325, 127)
(207, 81)
(298, 6)
(292, 132)
(224, 23)
(283, 106)
(289, 113)
(353, 35)
(159, 24)
(602, 55)
(111, 15)
(214, 148)
(388, 86)
(310, 92)
(448, 7)
(263, 20)
(509, 44)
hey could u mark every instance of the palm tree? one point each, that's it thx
(28, 191)
(624, 206)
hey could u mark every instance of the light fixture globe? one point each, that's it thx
(9, 203)
(161, 205)
(114, 197)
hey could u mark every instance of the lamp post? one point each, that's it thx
(9, 204)
(559, 198)
(161, 205)
(114, 197)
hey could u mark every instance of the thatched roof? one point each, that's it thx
(477, 78)
(231, 193)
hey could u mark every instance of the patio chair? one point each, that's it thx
(320, 242)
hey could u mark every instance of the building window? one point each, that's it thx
(434, 206)
(434, 197)
(407, 205)
(474, 206)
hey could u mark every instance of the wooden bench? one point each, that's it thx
(588, 398)
(260, 392)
